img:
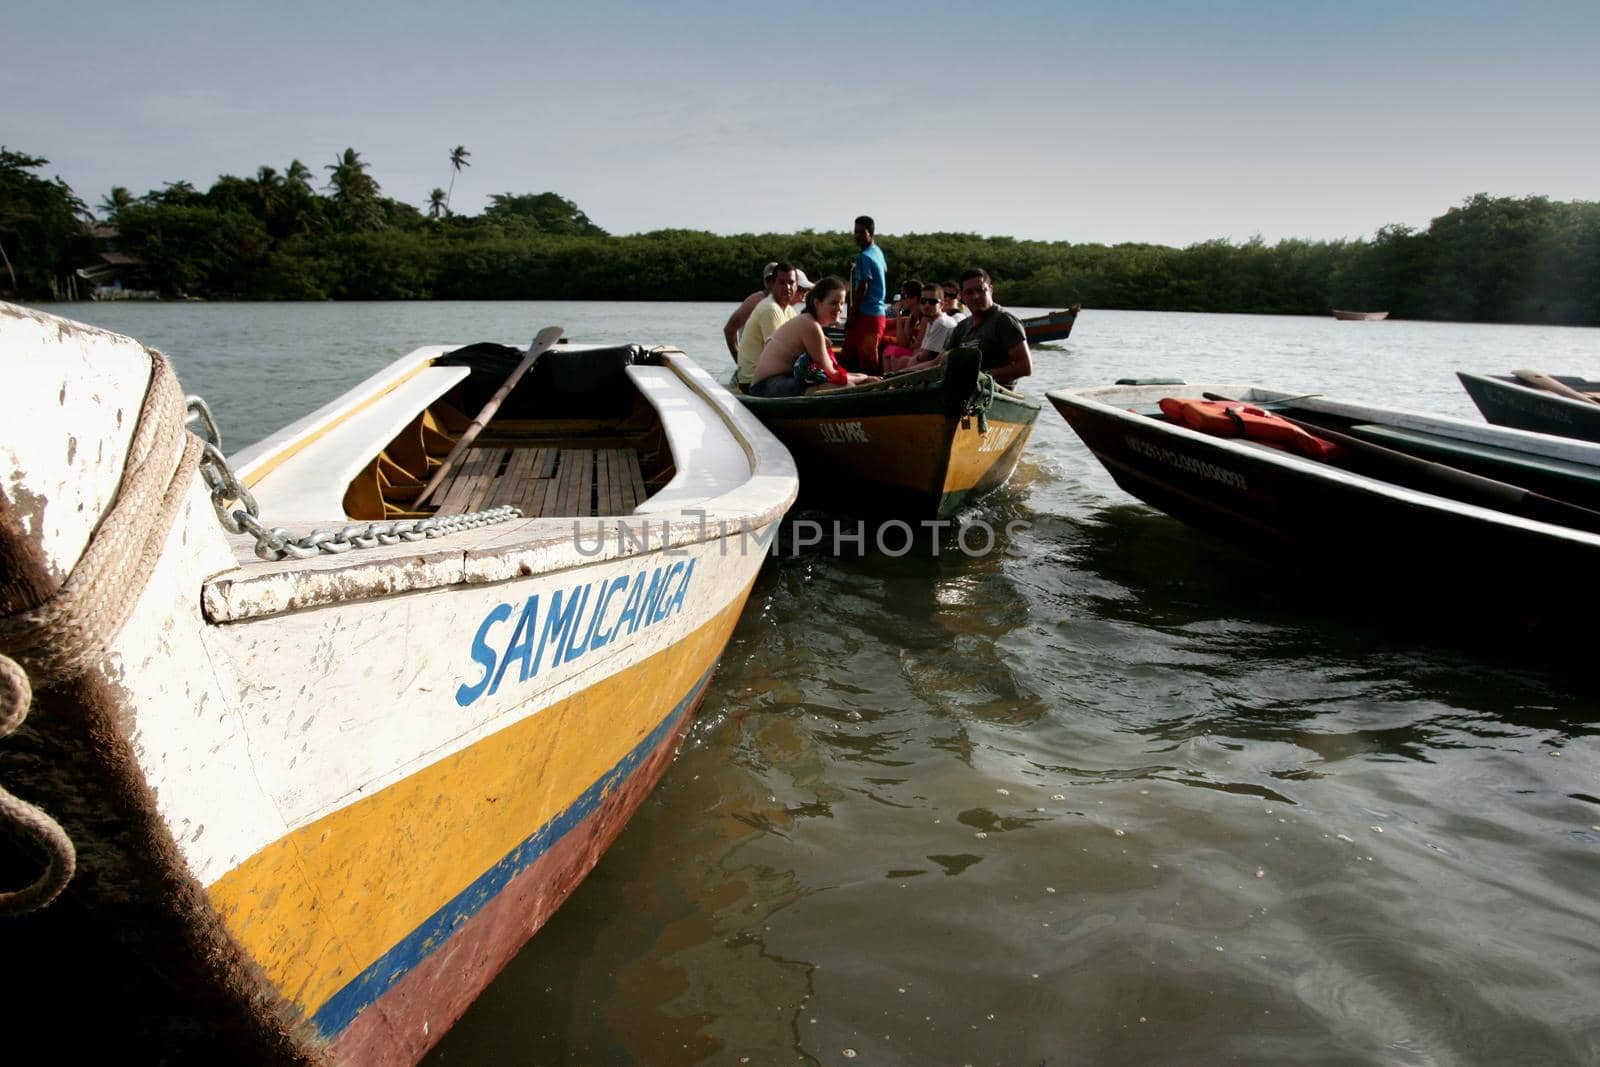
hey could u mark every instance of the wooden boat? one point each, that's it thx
(1041, 329)
(1051, 326)
(1547, 403)
(1427, 495)
(1360, 316)
(319, 802)
(917, 445)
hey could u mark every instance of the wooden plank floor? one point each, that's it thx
(545, 482)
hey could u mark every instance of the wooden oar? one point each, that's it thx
(544, 340)
(1445, 480)
(1541, 380)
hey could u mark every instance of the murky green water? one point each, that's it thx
(1118, 793)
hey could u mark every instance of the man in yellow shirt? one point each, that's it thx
(774, 311)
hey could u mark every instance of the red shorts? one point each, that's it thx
(861, 339)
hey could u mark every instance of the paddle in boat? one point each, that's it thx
(1532, 400)
(310, 789)
(1424, 493)
(1051, 326)
(921, 444)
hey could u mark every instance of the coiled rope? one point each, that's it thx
(76, 625)
(31, 822)
(978, 404)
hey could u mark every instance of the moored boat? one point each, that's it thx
(1360, 316)
(917, 445)
(1051, 326)
(321, 785)
(1426, 495)
(1529, 400)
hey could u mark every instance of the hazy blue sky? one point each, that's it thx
(1171, 122)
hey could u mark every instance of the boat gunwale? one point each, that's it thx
(514, 550)
(919, 393)
(1511, 385)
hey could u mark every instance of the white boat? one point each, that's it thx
(327, 798)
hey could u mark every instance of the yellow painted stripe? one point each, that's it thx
(319, 906)
(268, 464)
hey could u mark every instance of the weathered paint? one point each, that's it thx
(61, 375)
(928, 463)
(405, 1021)
(310, 760)
(907, 446)
(364, 694)
(320, 905)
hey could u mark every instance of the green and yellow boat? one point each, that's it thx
(917, 445)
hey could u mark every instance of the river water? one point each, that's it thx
(1119, 792)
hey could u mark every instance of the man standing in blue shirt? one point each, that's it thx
(870, 285)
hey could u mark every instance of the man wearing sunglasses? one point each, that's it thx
(935, 327)
(939, 326)
(993, 330)
(952, 301)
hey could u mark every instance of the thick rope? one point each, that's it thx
(978, 404)
(75, 627)
(62, 858)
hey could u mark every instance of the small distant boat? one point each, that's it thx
(1430, 495)
(1531, 400)
(1052, 326)
(323, 775)
(1360, 316)
(917, 445)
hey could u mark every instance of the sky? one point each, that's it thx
(1165, 121)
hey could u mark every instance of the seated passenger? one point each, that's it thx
(771, 313)
(952, 302)
(802, 286)
(798, 359)
(993, 330)
(935, 329)
(732, 329)
(903, 333)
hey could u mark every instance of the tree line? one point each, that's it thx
(299, 235)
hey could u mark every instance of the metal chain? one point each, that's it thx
(275, 543)
(225, 487)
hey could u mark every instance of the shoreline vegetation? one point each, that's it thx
(297, 235)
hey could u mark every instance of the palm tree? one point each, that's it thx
(179, 194)
(438, 203)
(458, 159)
(348, 178)
(114, 201)
(298, 174)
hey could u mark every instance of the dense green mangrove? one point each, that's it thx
(298, 236)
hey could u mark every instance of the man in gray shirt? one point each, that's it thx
(994, 331)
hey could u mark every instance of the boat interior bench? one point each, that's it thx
(544, 482)
(549, 480)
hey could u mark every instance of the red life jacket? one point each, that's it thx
(1224, 419)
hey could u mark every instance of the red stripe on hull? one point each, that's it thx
(439, 990)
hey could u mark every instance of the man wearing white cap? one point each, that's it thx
(802, 286)
(774, 311)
